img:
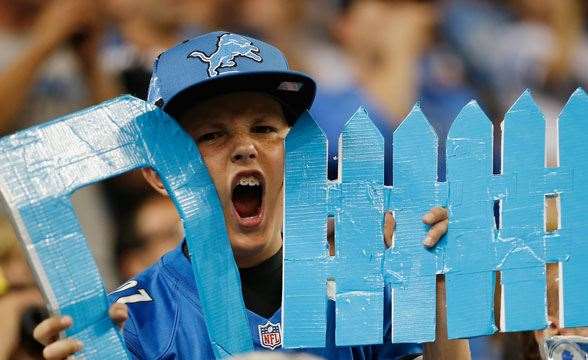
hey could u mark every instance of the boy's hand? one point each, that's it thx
(47, 333)
(437, 218)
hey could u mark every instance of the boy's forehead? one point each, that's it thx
(227, 105)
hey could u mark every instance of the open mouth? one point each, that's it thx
(247, 198)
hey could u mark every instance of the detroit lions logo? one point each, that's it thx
(229, 47)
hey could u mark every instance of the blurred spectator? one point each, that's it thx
(20, 301)
(142, 30)
(280, 22)
(388, 70)
(49, 63)
(156, 229)
(385, 55)
(50, 66)
(517, 44)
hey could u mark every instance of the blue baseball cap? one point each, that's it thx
(220, 62)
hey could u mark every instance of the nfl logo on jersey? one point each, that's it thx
(270, 335)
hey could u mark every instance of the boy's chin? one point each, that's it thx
(248, 243)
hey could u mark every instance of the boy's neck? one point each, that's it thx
(248, 262)
(244, 262)
(262, 286)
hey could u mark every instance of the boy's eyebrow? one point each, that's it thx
(201, 124)
(264, 112)
(260, 117)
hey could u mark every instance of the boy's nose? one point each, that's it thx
(244, 153)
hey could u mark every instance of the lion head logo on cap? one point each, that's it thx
(228, 47)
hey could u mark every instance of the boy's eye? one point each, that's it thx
(211, 136)
(263, 129)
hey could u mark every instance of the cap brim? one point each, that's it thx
(293, 89)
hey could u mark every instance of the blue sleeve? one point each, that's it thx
(132, 342)
(129, 329)
(397, 351)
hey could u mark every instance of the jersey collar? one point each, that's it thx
(178, 265)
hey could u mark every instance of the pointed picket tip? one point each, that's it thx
(524, 104)
(579, 92)
(360, 113)
(471, 120)
(523, 133)
(360, 121)
(525, 99)
(469, 144)
(361, 151)
(576, 106)
(415, 149)
(572, 131)
(415, 107)
(305, 129)
(414, 122)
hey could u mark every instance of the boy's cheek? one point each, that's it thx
(220, 180)
(217, 171)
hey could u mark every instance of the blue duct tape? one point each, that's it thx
(471, 253)
(42, 166)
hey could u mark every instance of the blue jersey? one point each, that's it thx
(166, 320)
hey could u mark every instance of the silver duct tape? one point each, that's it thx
(566, 348)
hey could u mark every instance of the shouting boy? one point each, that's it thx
(237, 98)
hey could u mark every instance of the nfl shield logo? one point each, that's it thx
(270, 335)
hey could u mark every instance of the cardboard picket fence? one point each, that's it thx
(41, 167)
(369, 277)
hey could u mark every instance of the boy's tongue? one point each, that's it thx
(247, 201)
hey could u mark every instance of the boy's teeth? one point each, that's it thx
(249, 181)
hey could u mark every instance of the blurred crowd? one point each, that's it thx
(60, 56)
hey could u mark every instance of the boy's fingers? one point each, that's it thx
(62, 349)
(389, 225)
(436, 232)
(119, 313)
(48, 330)
(435, 215)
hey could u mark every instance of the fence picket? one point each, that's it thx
(410, 267)
(470, 238)
(306, 250)
(569, 243)
(520, 252)
(358, 234)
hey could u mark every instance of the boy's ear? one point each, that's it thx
(154, 180)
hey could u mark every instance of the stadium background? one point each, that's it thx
(59, 56)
